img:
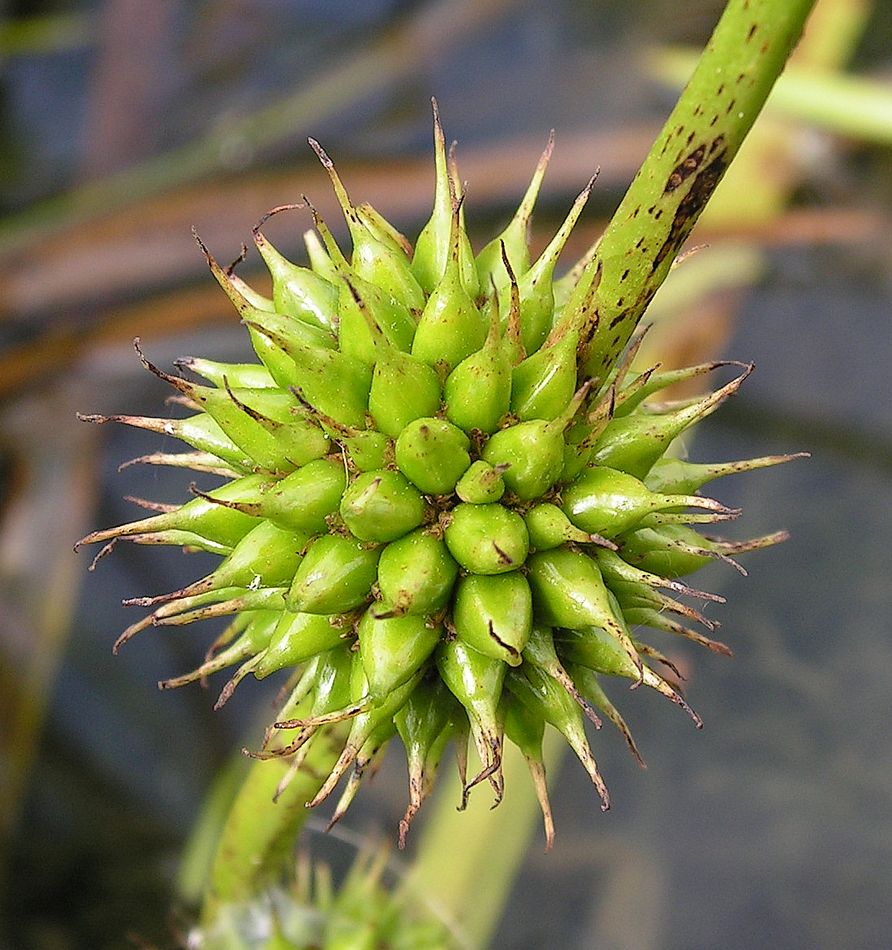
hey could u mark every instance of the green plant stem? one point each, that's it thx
(716, 110)
(258, 835)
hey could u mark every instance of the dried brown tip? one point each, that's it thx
(106, 549)
(229, 270)
(564, 678)
(338, 715)
(199, 587)
(626, 732)
(549, 148)
(321, 154)
(439, 137)
(238, 676)
(489, 749)
(147, 505)
(295, 206)
(95, 418)
(513, 324)
(368, 763)
(664, 689)
(293, 769)
(584, 754)
(246, 507)
(537, 774)
(416, 796)
(652, 653)
(131, 632)
(346, 759)
(682, 588)
(196, 461)
(687, 253)
(602, 542)
(183, 385)
(202, 246)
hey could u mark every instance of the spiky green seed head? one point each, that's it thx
(429, 517)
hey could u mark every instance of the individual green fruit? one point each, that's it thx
(481, 483)
(297, 290)
(382, 506)
(532, 451)
(416, 574)
(571, 593)
(476, 682)
(433, 455)
(610, 503)
(301, 501)
(433, 247)
(403, 389)
(374, 260)
(237, 375)
(298, 637)
(549, 528)
(494, 614)
(425, 726)
(336, 575)
(543, 384)
(487, 539)
(267, 556)
(451, 327)
(393, 649)
(432, 520)
(369, 317)
(477, 393)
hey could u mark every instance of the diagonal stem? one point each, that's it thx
(722, 99)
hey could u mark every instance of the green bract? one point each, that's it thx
(431, 517)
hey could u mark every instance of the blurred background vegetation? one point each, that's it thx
(125, 123)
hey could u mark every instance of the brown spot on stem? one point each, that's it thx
(685, 169)
(692, 204)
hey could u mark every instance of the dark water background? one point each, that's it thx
(770, 828)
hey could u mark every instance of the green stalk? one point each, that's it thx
(736, 71)
(257, 838)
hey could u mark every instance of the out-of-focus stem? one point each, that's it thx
(258, 835)
(848, 105)
(467, 861)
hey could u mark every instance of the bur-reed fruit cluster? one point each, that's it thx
(433, 515)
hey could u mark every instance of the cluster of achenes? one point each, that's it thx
(434, 517)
